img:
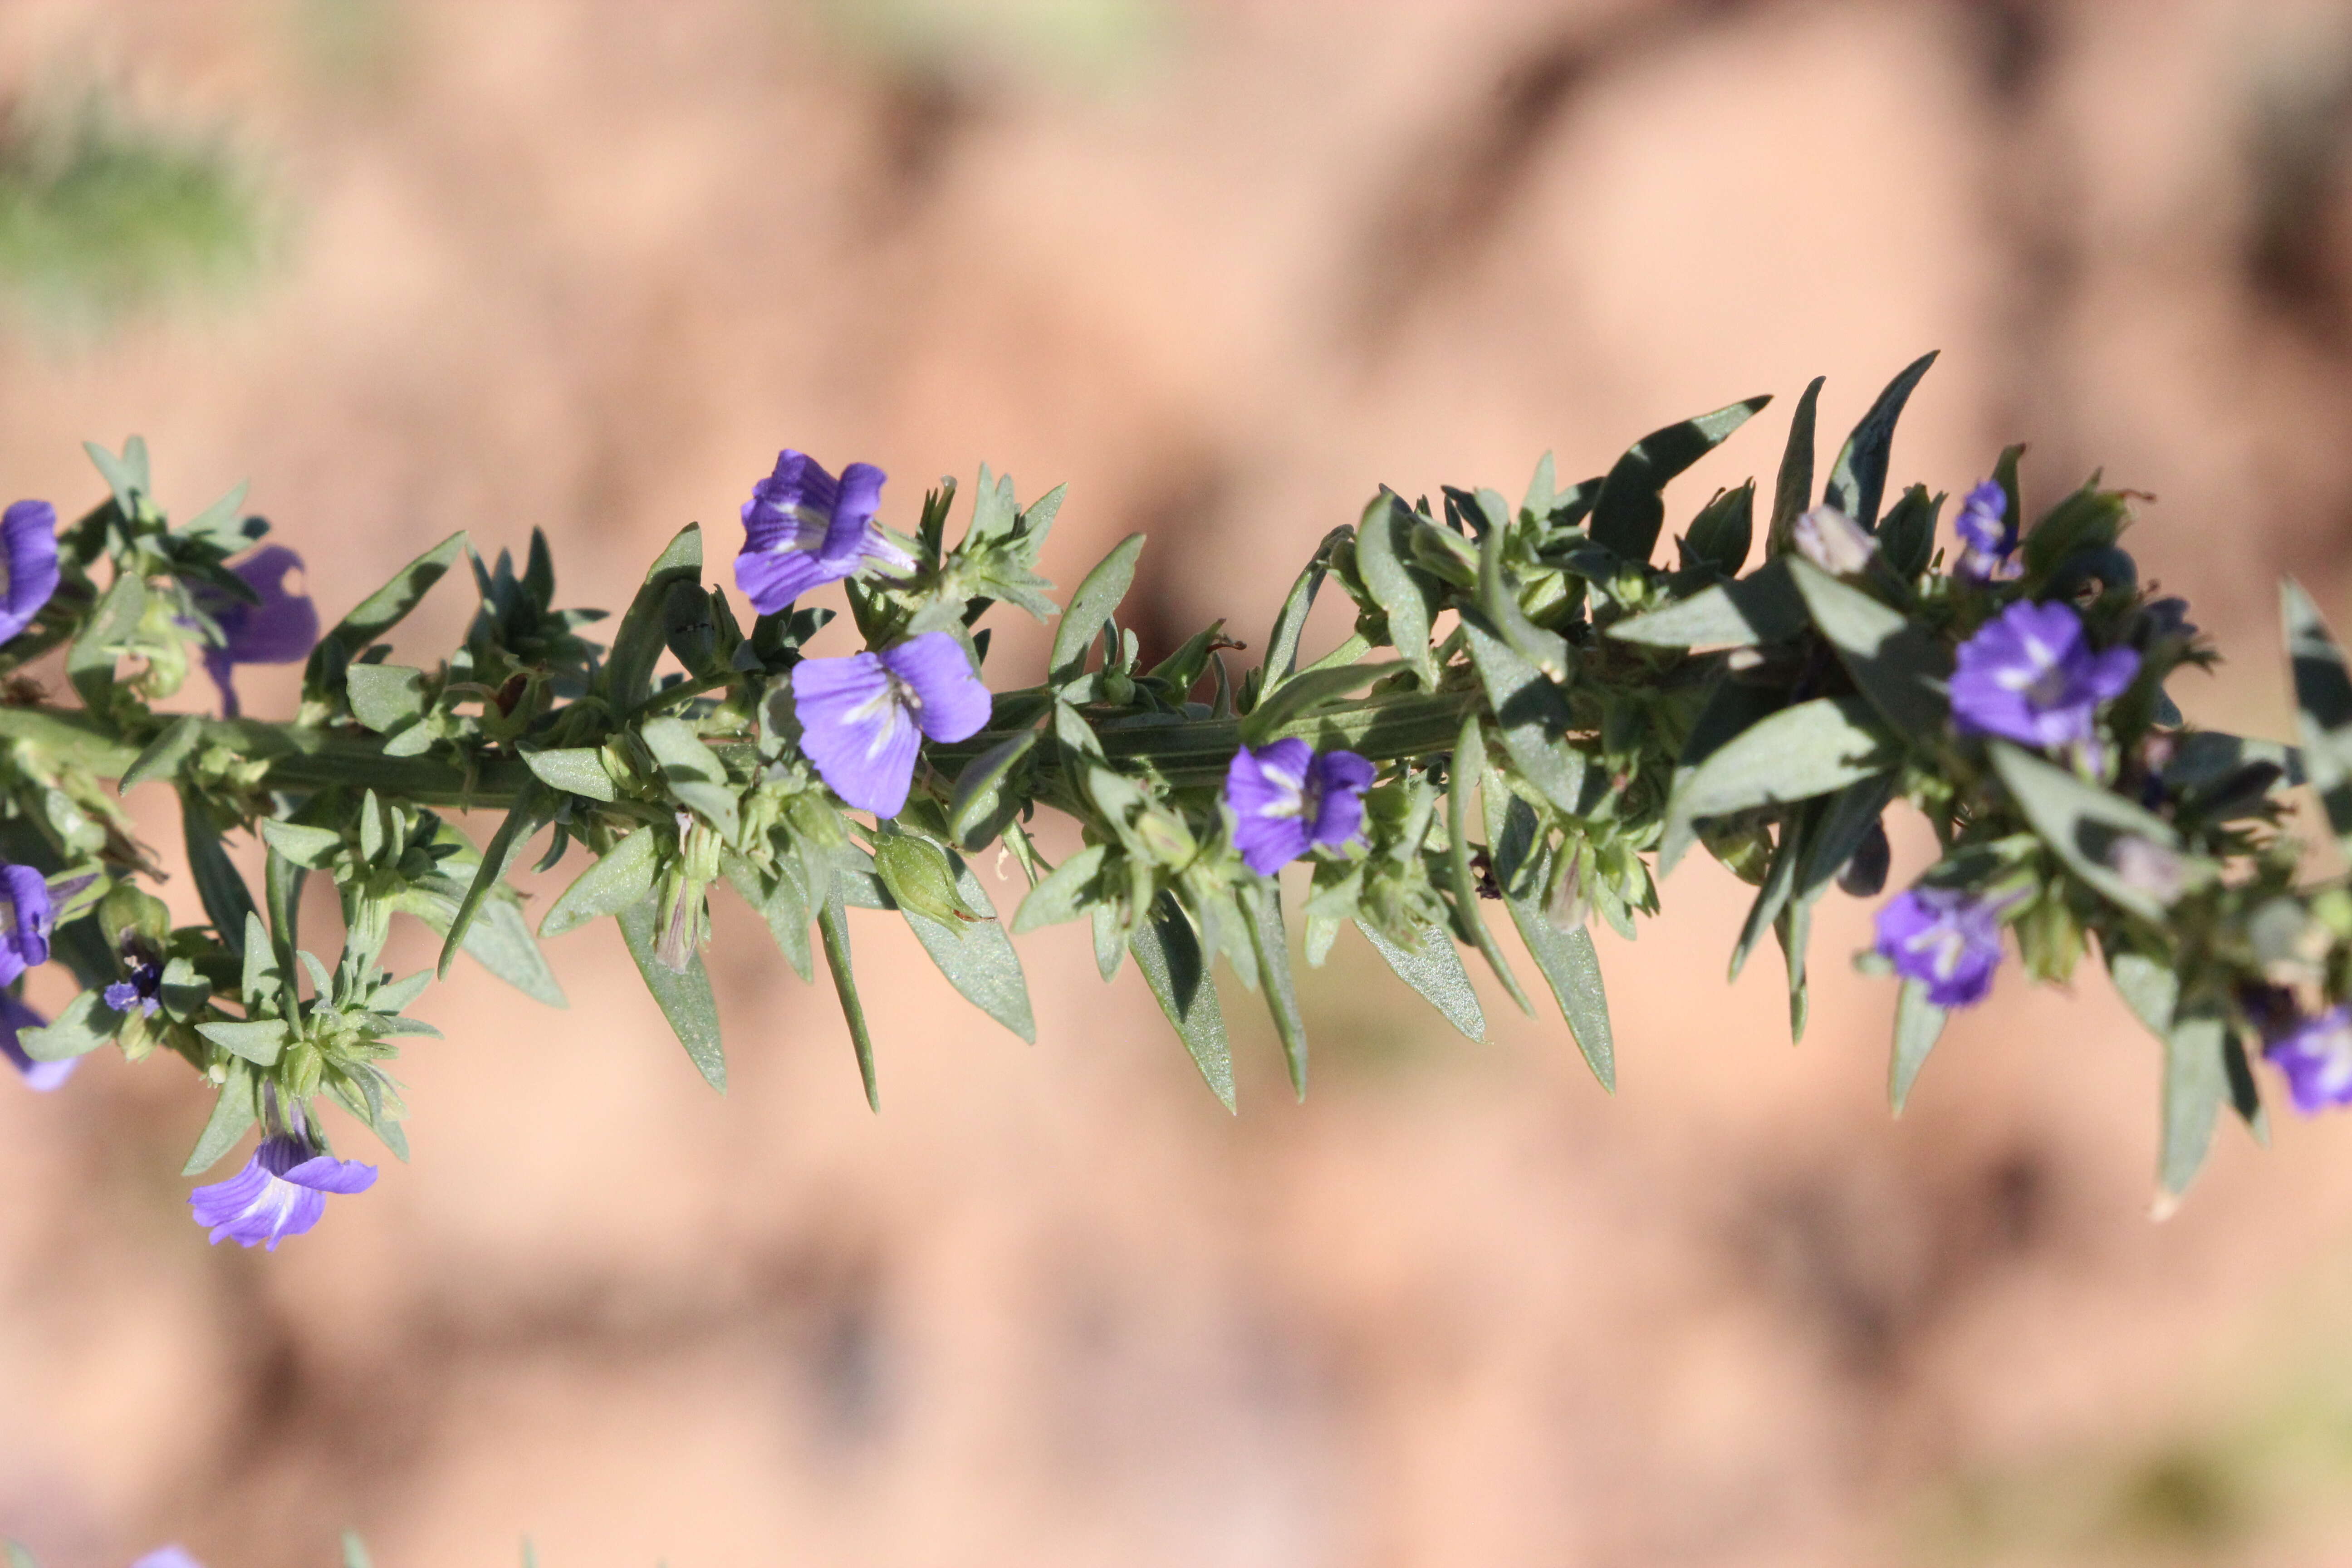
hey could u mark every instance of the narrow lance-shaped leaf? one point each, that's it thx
(1793, 494)
(833, 929)
(1858, 483)
(2196, 1082)
(1381, 557)
(89, 661)
(1899, 665)
(1629, 511)
(977, 957)
(1801, 751)
(233, 1112)
(1761, 607)
(638, 641)
(1918, 1024)
(1090, 606)
(531, 811)
(377, 614)
(620, 878)
(1570, 965)
(227, 899)
(1433, 968)
(1168, 951)
(685, 999)
(1261, 908)
(1290, 622)
(2323, 700)
(164, 754)
(1470, 767)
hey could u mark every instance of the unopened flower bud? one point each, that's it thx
(1833, 541)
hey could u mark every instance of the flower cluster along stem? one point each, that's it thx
(1530, 723)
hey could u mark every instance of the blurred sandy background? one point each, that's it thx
(1223, 266)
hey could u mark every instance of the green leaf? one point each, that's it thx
(976, 814)
(2082, 823)
(1761, 607)
(227, 899)
(1498, 601)
(2196, 1082)
(89, 661)
(1858, 483)
(977, 957)
(1468, 767)
(532, 810)
(259, 1042)
(220, 524)
(2150, 989)
(355, 1551)
(312, 848)
(87, 1023)
(1773, 893)
(1807, 749)
(637, 642)
(1261, 905)
(1062, 896)
(1631, 510)
(919, 877)
(1434, 969)
(1917, 1024)
(1837, 829)
(1792, 495)
(1403, 596)
(833, 926)
(164, 754)
(233, 1112)
(18, 1557)
(1304, 693)
(263, 983)
(498, 939)
(575, 770)
(685, 999)
(694, 774)
(2323, 700)
(1725, 530)
(378, 613)
(782, 902)
(125, 476)
(1290, 624)
(1167, 951)
(622, 877)
(1090, 606)
(1899, 665)
(1571, 967)
(386, 696)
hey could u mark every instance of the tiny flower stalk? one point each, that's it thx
(1521, 711)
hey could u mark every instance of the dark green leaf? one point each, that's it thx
(1167, 951)
(976, 814)
(378, 613)
(2081, 823)
(1402, 595)
(833, 926)
(1761, 607)
(1899, 665)
(227, 899)
(1722, 533)
(1801, 751)
(2323, 700)
(1792, 495)
(1858, 482)
(685, 999)
(164, 754)
(1262, 910)
(637, 642)
(1629, 511)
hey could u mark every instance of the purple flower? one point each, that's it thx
(802, 528)
(2029, 675)
(1288, 798)
(1988, 535)
(279, 630)
(143, 989)
(27, 912)
(1946, 938)
(29, 564)
(174, 1556)
(15, 1017)
(281, 1192)
(859, 715)
(2315, 1054)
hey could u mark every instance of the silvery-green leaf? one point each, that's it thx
(1110, 940)
(533, 808)
(89, 660)
(1918, 1024)
(376, 614)
(309, 846)
(693, 772)
(259, 1042)
(1629, 513)
(125, 476)
(1571, 967)
(1306, 692)
(2196, 1082)
(1899, 665)
(164, 754)
(1499, 600)
(832, 927)
(1403, 598)
(2084, 824)
(1290, 622)
(1761, 607)
(386, 696)
(1858, 483)
(685, 999)
(978, 958)
(233, 1112)
(1062, 895)
(1773, 893)
(1168, 951)
(1090, 606)
(1468, 767)
(87, 1023)
(782, 902)
(1434, 969)
(1801, 751)
(575, 770)
(978, 801)
(637, 642)
(2323, 700)
(1531, 713)
(622, 875)
(1262, 913)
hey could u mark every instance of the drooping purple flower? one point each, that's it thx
(2029, 675)
(802, 528)
(279, 630)
(16, 1017)
(1288, 798)
(2314, 1053)
(1988, 535)
(281, 1192)
(1946, 938)
(863, 717)
(28, 910)
(142, 990)
(29, 564)
(172, 1556)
